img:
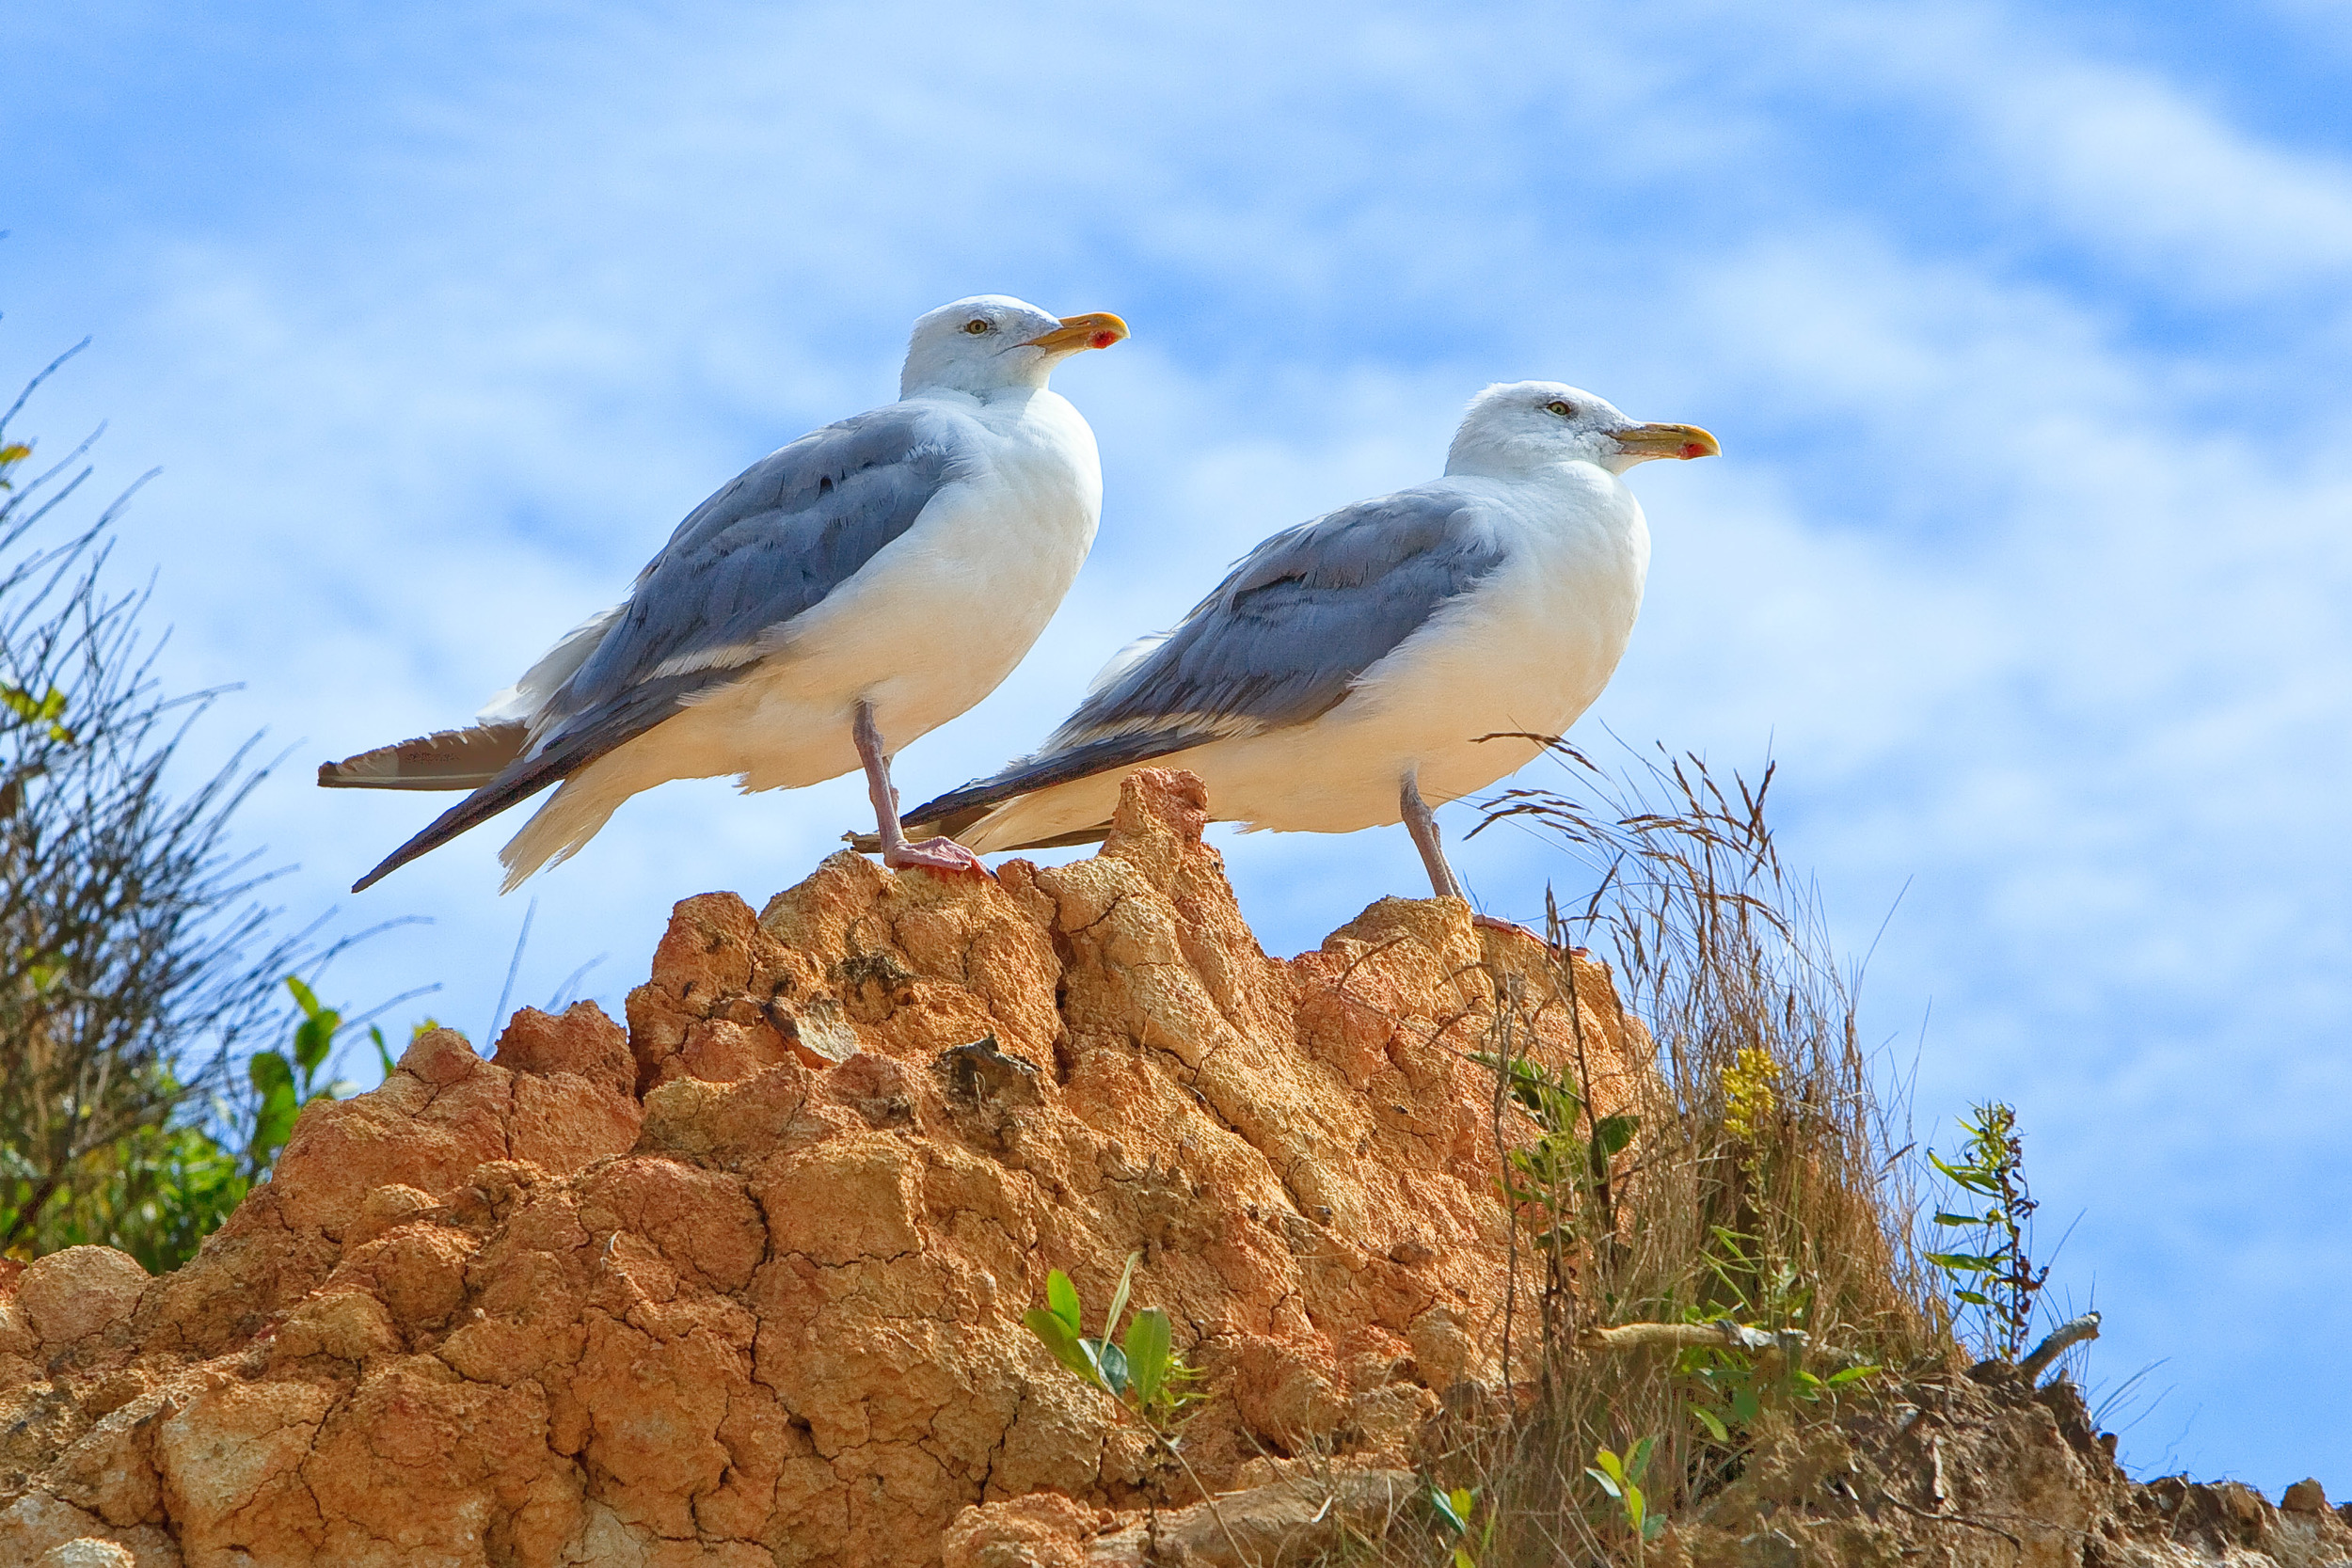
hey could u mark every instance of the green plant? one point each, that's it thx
(286, 1081)
(155, 1193)
(1563, 1181)
(1141, 1374)
(1736, 1385)
(1455, 1507)
(1622, 1479)
(1762, 1189)
(1140, 1370)
(1563, 1163)
(136, 965)
(48, 709)
(1995, 1282)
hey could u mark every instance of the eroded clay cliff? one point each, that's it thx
(742, 1282)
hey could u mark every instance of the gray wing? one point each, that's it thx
(1279, 642)
(765, 550)
(742, 567)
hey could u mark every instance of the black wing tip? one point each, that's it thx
(386, 866)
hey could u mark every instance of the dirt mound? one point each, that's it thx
(1985, 1470)
(743, 1283)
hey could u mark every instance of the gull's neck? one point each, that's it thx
(1012, 395)
(1020, 373)
(1509, 467)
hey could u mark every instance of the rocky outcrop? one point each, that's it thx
(1985, 1470)
(743, 1282)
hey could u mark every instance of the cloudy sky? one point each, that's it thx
(2023, 329)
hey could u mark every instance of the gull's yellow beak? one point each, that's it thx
(1099, 329)
(1668, 440)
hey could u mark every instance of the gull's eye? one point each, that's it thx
(976, 325)
(1565, 410)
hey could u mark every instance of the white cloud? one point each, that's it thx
(2138, 167)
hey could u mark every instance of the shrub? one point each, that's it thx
(1755, 1219)
(135, 960)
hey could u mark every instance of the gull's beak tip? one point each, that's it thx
(1095, 329)
(1681, 441)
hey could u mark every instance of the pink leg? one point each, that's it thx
(1422, 824)
(933, 854)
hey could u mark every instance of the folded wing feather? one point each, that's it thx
(1281, 642)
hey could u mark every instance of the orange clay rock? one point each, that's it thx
(744, 1286)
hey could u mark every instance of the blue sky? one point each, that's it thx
(2023, 327)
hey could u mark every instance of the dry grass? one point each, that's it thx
(1766, 1183)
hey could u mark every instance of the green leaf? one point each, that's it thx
(1973, 1298)
(1463, 1560)
(270, 1073)
(1712, 1422)
(1943, 1219)
(1608, 1483)
(383, 1052)
(1615, 1132)
(1852, 1374)
(1055, 1335)
(314, 1037)
(1653, 1529)
(1119, 1298)
(1114, 1364)
(1062, 1297)
(1746, 1406)
(1455, 1514)
(1965, 1262)
(304, 996)
(1147, 1346)
(1637, 1461)
(273, 1121)
(1968, 1176)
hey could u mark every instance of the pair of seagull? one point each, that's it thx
(873, 579)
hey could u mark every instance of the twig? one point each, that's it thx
(1942, 1519)
(1721, 1334)
(507, 992)
(2069, 1333)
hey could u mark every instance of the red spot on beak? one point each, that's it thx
(1692, 449)
(1104, 339)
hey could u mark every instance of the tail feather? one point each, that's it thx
(641, 710)
(446, 759)
(870, 844)
(959, 809)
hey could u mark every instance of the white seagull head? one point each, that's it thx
(1516, 429)
(989, 342)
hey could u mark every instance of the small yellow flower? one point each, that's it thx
(1748, 1098)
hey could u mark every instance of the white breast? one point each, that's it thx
(1527, 652)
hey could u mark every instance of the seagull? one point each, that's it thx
(841, 596)
(1355, 669)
